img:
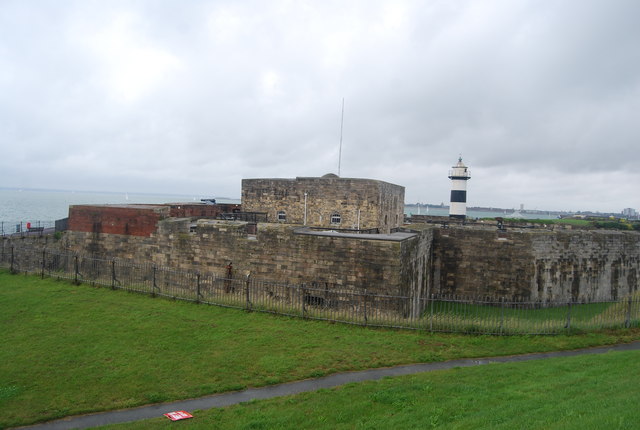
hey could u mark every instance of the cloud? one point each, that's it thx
(540, 98)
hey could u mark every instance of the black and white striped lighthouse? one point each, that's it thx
(459, 175)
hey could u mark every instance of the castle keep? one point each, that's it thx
(327, 202)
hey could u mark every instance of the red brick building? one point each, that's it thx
(138, 219)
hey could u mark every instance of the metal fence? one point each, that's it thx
(436, 313)
(21, 228)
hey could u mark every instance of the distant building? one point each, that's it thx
(328, 201)
(629, 212)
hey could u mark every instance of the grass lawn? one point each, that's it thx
(587, 392)
(569, 221)
(451, 316)
(73, 349)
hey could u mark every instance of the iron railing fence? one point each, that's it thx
(435, 313)
(21, 228)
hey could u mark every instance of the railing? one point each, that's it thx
(436, 313)
(22, 228)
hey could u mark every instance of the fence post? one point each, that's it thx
(113, 274)
(568, 325)
(154, 286)
(364, 297)
(501, 315)
(302, 297)
(246, 292)
(198, 287)
(76, 270)
(627, 323)
(431, 314)
(44, 259)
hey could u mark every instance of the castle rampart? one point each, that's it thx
(393, 264)
(536, 264)
(531, 264)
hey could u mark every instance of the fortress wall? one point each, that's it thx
(538, 265)
(35, 242)
(416, 269)
(585, 264)
(275, 253)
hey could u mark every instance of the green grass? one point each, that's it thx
(456, 316)
(586, 392)
(70, 349)
(603, 223)
(568, 221)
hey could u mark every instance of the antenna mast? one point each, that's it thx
(341, 125)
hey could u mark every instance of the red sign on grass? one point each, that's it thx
(178, 415)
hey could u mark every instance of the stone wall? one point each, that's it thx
(528, 264)
(537, 265)
(393, 265)
(416, 271)
(361, 203)
(183, 210)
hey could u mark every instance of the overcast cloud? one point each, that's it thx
(541, 98)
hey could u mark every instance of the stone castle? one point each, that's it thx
(345, 233)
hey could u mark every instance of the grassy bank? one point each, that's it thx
(593, 223)
(588, 392)
(73, 349)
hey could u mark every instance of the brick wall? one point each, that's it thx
(134, 220)
(138, 219)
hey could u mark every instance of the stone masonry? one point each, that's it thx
(359, 203)
(536, 264)
(394, 264)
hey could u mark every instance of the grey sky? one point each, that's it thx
(541, 98)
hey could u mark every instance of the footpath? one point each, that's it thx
(232, 398)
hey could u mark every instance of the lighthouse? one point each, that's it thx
(459, 175)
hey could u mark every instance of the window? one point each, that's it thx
(282, 216)
(335, 218)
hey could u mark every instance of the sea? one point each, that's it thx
(29, 205)
(477, 213)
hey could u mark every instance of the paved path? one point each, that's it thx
(226, 399)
